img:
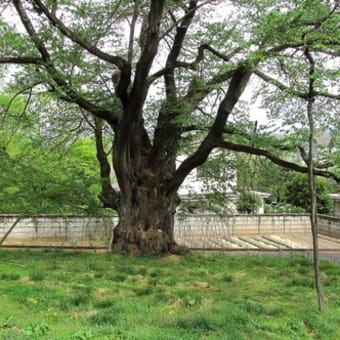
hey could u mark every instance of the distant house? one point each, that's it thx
(336, 199)
(198, 183)
(198, 188)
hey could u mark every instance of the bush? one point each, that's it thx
(296, 192)
(248, 202)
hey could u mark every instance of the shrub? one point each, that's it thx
(296, 193)
(248, 202)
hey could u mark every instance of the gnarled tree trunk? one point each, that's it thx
(146, 229)
(146, 219)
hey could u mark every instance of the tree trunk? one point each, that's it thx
(146, 220)
(312, 186)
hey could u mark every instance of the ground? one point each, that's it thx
(60, 295)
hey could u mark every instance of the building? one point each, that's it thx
(203, 193)
(336, 199)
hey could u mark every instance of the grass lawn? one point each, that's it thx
(65, 295)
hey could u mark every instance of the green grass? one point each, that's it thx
(68, 295)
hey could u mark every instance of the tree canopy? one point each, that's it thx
(163, 78)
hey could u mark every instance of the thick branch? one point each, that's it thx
(166, 132)
(21, 60)
(170, 85)
(140, 88)
(108, 195)
(237, 85)
(132, 31)
(275, 159)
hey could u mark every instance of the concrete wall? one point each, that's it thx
(337, 208)
(212, 226)
(94, 227)
(198, 226)
(329, 225)
(68, 227)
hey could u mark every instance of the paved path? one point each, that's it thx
(278, 244)
(287, 241)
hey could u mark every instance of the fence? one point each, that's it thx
(50, 229)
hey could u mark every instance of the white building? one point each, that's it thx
(197, 190)
(201, 193)
(336, 199)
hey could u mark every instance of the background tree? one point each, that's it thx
(40, 176)
(158, 73)
(289, 190)
(296, 192)
(259, 174)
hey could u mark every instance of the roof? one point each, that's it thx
(262, 194)
(335, 197)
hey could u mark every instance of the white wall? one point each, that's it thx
(195, 226)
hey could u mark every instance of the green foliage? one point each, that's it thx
(37, 330)
(39, 177)
(248, 202)
(297, 193)
(37, 180)
(289, 191)
(259, 174)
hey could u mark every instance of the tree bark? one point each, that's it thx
(146, 219)
(312, 185)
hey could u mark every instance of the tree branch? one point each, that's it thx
(285, 88)
(132, 32)
(166, 130)
(108, 196)
(118, 61)
(279, 161)
(21, 60)
(140, 86)
(58, 78)
(193, 65)
(176, 22)
(22, 91)
(170, 86)
(197, 93)
(224, 57)
(237, 85)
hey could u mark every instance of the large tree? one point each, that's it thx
(162, 73)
